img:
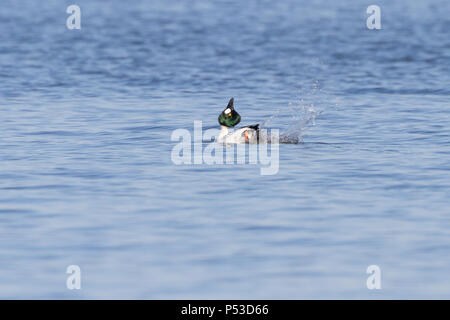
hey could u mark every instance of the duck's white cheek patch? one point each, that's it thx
(227, 110)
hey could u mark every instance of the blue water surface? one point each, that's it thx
(87, 179)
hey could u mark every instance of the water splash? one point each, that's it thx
(301, 115)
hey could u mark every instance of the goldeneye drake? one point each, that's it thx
(230, 118)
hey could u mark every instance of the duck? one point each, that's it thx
(228, 119)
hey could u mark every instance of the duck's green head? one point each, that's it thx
(229, 117)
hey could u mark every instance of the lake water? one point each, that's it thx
(87, 179)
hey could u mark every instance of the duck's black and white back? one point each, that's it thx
(230, 118)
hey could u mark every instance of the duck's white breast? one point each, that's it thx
(241, 135)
